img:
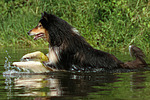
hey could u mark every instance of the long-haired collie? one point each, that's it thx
(68, 50)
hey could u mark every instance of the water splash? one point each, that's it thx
(7, 64)
(12, 71)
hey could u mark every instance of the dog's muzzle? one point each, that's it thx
(28, 32)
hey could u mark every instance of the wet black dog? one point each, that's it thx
(68, 50)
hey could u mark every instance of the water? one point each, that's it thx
(70, 86)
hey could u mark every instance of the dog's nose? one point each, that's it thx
(29, 32)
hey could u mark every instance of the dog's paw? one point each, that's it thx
(50, 66)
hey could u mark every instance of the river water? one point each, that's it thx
(70, 86)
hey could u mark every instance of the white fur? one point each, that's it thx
(53, 55)
(130, 50)
(75, 31)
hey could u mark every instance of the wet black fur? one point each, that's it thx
(75, 52)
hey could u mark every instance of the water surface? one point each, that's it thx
(71, 86)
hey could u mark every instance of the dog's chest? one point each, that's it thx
(53, 55)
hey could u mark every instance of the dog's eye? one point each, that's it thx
(39, 25)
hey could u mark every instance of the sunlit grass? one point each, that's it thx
(106, 25)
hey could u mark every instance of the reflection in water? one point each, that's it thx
(72, 86)
(56, 83)
(139, 80)
(33, 85)
(63, 84)
(59, 84)
(36, 82)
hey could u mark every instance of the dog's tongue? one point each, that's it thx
(35, 37)
(38, 35)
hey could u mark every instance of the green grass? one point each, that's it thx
(106, 24)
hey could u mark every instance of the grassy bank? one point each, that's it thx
(107, 25)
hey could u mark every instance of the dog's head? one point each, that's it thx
(40, 31)
(53, 29)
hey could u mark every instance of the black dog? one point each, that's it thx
(68, 50)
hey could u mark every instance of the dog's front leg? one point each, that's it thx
(50, 65)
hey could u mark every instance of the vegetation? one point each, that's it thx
(106, 24)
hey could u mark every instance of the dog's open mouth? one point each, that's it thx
(37, 36)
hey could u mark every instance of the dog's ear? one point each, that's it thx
(45, 15)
